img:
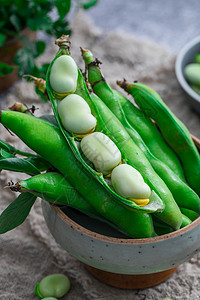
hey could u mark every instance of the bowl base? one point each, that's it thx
(124, 281)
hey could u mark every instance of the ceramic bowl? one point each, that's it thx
(185, 57)
(115, 259)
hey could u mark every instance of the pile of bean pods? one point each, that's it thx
(135, 168)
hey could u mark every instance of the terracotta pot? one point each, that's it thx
(7, 54)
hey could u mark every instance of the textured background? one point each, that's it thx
(171, 23)
(29, 252)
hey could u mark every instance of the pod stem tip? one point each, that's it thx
(63, 42)
(13, 187)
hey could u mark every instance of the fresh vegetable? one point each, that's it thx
(94, 161)
(75, 115)
(101, 151)
(54, 188)
(173, 130)
(47, 140)
(63, 76)
(192, 215)
(130, 151)
(54, 285)
(129, 183)
(130, 116)
(192, 73)
(174, 179)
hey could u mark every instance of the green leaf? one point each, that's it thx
(40, 22)
(7, 147)
(15, 214)
(6, 2)
(15, 21)
(25, 60)
(5, 154)
(40, 47)
(12, 150)
(2, 39)
(16, 164)
(63, 7)
(6, 69)
(40, 163)
(25, 57)
(87, 4)
(20, 4)
(61, 27)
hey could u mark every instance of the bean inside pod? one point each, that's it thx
(129, 183)
(75, 115)
(63, 76)
(101, 151)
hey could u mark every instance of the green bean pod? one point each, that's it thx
(54, 188)
(133, 155)
(182, 193)
(191, 214)
(129, 115)
(162, 228)
(118, 136)
(47, 140)
(173, 130)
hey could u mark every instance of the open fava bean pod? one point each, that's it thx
(81, 90)
(145, 134)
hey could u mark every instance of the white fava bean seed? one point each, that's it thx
(101, 151)
(64, 74)
(129, 183)
(75, 115)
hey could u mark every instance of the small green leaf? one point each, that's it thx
(87, 4)
(12, 150)
(2, 39)
(40, 47)
(6, 2)
(63, 7)
(7, 147)
(61, 27)
(15, 214)
(20, 4)
(16, 164)
(15, 21)
(40, 163)
(6, 69)
(5, 154)
(40, 22)
(25, 60)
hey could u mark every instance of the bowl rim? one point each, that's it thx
(179, 74)
(130, 241)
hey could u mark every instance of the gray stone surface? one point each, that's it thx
(171, 23)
